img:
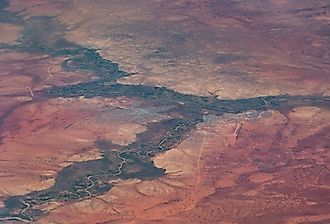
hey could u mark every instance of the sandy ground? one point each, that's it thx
(274, 172)
(230, 50)
(40, 139)
(270, 167)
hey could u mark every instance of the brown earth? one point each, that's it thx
(11, 32)
(275, 173)
(273, 169)
(40, 139)
(21, 71)
(232, 50)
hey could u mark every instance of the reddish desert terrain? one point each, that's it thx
(209, 181)
(231, 49)
(86, 140)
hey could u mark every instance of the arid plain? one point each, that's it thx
(179, 111)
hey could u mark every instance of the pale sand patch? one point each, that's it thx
(260, 177)
(49, 206)
(124, 134)
(17, 185)
(306, 113)
(92, 154)
(226, 183)
(154, 188)
(312, 119)
(9, 33)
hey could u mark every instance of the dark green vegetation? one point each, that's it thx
(83, 180)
